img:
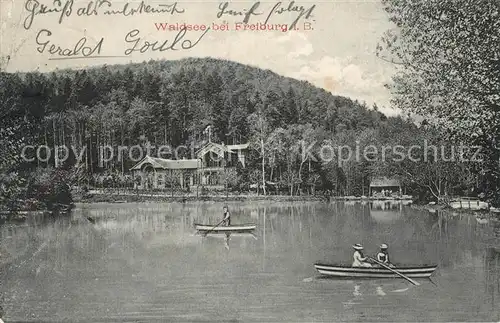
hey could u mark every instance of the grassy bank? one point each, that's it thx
(111, 197)
(122, 196)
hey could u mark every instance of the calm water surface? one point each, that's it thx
(142, 262)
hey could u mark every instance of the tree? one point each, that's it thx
(11, 180)
(259, 128)
(450, 71)
(230, 178)
(243, 178)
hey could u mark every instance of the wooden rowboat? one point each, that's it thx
(238, 228)
(423, 271)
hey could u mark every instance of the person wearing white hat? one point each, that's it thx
(383, 255)
(359, 259)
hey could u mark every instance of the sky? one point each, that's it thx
(337, 53)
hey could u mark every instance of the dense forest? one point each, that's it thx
(449, 74)
(172, 102)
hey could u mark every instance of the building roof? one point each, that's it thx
(183, 164)
(212, 147)
(237, 147)
(384, 182)
(161, 163)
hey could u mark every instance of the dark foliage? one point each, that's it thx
(172, 102)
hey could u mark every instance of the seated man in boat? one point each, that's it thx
(359, 259)
(383, 256)
(227, 216)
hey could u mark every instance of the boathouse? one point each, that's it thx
(385, 187)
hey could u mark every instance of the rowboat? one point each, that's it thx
(423, 271)
(239, 228)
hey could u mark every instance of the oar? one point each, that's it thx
(214, 227)
(396, 272)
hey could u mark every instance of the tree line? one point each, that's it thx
(450, 73)
(172, 102)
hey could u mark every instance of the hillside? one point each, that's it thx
(175, 100)
(172, 102)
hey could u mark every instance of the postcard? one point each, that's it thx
(249, 161)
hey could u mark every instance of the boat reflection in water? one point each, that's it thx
(227, 237)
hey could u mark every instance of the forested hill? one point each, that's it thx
(173, 101)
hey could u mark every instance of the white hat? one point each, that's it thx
(358, 246)
(383, 246)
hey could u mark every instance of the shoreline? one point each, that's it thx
(434, 208)
(104, 197)
(96, 196)
(139, 198)
(129, 197)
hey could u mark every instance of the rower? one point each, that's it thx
(359, 259)
(383, 255)
(227, 216)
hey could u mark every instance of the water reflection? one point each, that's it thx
(386, 211)
(134, 259)
(492, 273)
(227, 237)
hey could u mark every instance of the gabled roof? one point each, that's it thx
(219, 149)
(148, 160)
(161, 163)
(212, 147)
(384, 182)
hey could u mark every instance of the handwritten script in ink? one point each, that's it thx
(59, 46)
(68, 8)
(267, 13)
(49, 42)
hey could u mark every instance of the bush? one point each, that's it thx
(11, 191)
(494, 199)
(50, 187)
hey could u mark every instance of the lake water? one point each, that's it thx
(142, 262)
